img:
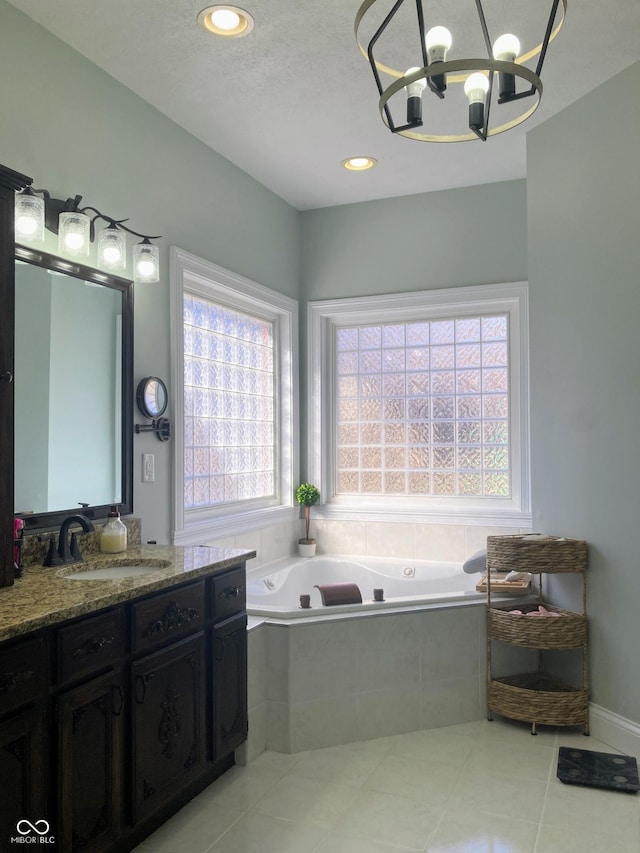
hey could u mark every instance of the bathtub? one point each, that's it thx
(274, 589)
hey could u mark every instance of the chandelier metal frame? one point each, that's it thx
(457, 71)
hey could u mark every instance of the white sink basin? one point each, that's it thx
(115, 571)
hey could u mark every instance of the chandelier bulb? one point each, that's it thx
(476, 87)
(506, 47)
(414, 97)
(438, 41)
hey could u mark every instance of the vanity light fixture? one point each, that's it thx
(225, 21)
(36, 210)
(359, 164)
(429, 49)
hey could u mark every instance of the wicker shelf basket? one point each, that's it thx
(567, 631)
(524, 554)
(539, 698)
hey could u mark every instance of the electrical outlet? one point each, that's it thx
(148, 468)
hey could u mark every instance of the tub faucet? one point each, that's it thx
(68, 550)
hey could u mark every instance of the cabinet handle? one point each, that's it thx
(116, 691)
(6, 376)
(230, 592)
(219, 648)
(92, 646)
(10, 680)
(141, 686)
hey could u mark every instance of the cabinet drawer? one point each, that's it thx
(228, 594)
(90, 645)
(168, 616)
(23, 673)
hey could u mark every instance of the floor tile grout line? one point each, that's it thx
(444, 805)
(546, 793)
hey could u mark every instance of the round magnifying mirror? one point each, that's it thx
(151, 396)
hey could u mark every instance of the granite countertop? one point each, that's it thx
(43, 596)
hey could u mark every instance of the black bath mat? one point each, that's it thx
(598, 769)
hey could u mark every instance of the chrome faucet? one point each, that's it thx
(68, 550)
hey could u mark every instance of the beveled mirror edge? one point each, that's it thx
(49, 520)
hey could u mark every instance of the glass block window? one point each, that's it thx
(229, 404)
(422, 408)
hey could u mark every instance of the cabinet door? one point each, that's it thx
(168, 707)
(90, 761)
(23, 781)
(229, 707)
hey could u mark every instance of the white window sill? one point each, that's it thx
(207, 530)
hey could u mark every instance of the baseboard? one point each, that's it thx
(617, 731)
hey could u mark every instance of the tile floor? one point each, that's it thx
(475, 788)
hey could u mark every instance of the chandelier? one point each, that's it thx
(403, 33)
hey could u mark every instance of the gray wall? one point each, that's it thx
(474, 235)
(584, 257)
(74, 130)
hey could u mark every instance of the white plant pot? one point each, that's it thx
(307, 549)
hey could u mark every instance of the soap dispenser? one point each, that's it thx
(113, 538)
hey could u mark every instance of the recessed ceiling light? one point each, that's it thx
(227, 21)
(359, 164)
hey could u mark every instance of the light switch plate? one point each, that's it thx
(148, 468)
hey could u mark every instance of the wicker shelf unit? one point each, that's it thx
(537, 697)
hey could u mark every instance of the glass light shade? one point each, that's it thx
(29, 218)
(112, 249)
(476, 87)
(506, 47)
(73, 234)
(146, 262)
(438, 41)
(415, 89)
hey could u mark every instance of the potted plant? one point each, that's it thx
(307, 495)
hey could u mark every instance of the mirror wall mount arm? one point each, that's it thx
(10, 182)
(161, 427)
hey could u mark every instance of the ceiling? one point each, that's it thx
(295, 97)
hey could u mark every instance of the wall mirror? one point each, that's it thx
(73, 393)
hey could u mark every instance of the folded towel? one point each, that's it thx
(476, 563)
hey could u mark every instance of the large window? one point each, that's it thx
(235, 378)
(229, 404)
(420, 401)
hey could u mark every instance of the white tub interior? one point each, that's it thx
(274, 590)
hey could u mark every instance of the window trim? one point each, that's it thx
(196, 275)
(322, 318)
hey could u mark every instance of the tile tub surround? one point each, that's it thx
(321, 684)
(420, 541)
(43, 596)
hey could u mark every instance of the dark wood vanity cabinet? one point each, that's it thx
(229, 695)
(90, 732)
(24, 750)
(23, 767)
(109, 724)
(169, 726)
